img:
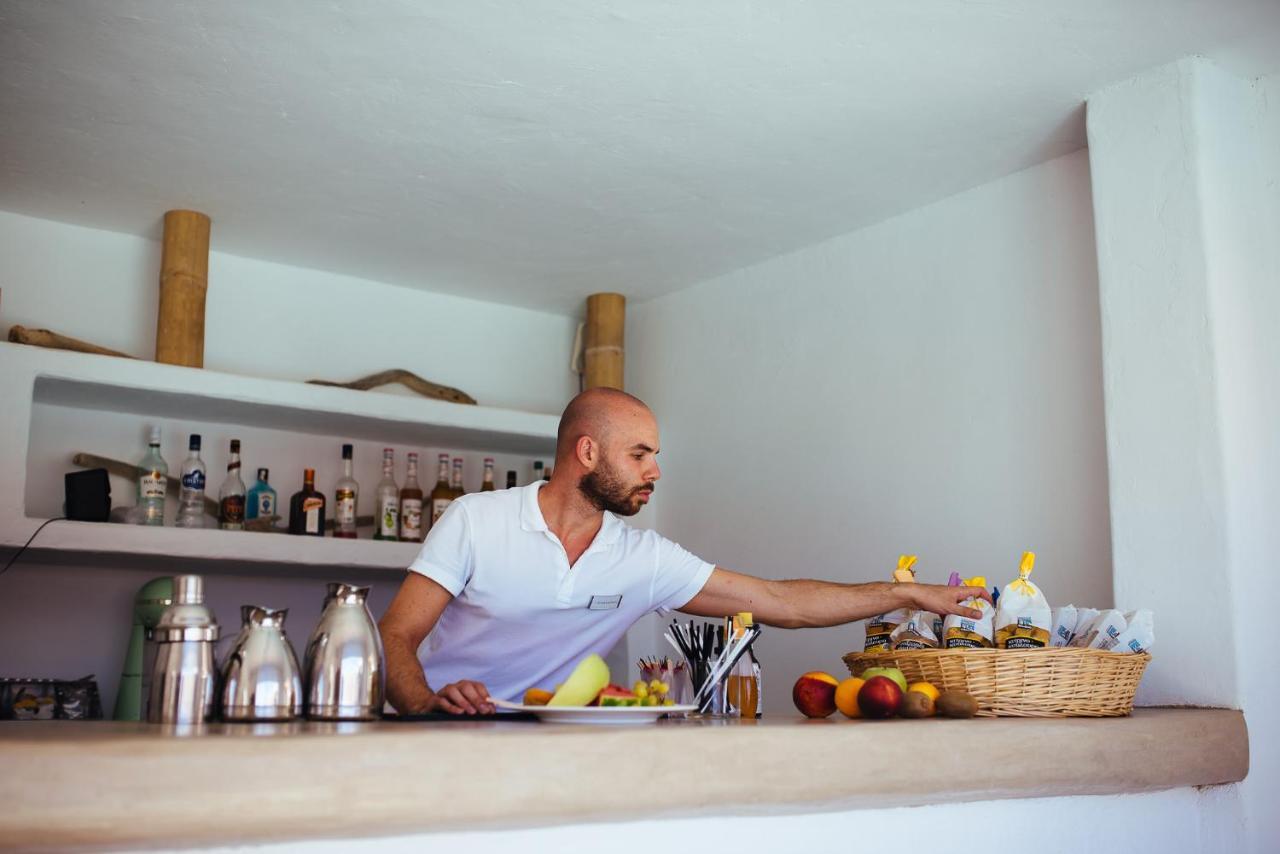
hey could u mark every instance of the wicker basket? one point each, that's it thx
(1061, 682)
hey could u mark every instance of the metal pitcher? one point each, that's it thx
(345, 669)
(181, 678)
(261, 680)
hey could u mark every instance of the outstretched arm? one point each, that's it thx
(805, 603)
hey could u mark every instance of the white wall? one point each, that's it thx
(1187, 189)
(931, 385)
(271, 320)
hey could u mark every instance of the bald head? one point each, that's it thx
(598, 413)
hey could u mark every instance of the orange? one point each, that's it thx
(847, 697)
(537, 697)
(925, 688)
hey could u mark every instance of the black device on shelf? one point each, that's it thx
(88, 495)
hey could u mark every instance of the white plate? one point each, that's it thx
(599, 714)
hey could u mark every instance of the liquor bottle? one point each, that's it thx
(455, 485)
(487, 484)
(345, 498)
(261, 503)
(411, 505)
(442, 494)
(537, 470)
(152, 482)
(191, 497)
(306, 508)
(231, 496)
(387, 522)
(511, 479)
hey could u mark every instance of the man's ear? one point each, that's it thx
(587, 451)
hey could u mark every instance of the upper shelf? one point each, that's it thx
(32, 378)
(90, 382)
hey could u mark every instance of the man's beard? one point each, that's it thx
(606, 490)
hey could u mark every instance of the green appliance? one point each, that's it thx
(149, 603)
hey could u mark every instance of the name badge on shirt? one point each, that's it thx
(604, 603)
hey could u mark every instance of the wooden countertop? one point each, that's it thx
(101, 784)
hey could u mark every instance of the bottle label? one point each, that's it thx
(389, 518)
(411, 518)
(152, 485)
(193, 480)
(266, 504)
(438, 506)
(233, 510)
(311, 508)
(345, 508)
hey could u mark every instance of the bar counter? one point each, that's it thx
(96, 785)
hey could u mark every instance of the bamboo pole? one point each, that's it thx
(603, 340)
(184, 279)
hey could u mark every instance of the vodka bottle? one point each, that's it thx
(345, 496)
(387, 521)
(191, 499)
(231, 496)
(152, 482)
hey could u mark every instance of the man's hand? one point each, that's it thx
(941, 599)
(462, 698)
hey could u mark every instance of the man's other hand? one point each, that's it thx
(462, 698)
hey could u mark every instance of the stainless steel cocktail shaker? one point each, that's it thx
(345, 669)
(261, 680)
(182, 675)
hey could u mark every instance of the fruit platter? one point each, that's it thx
(588, 697)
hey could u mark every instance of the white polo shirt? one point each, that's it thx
(521, 617)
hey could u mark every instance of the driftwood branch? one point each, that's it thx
(55, 341)
(409, 380)
(131, 472)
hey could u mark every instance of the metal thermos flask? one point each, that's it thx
(345, 671)
(182, 676)
(261, 680)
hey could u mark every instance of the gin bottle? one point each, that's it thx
(152, 482)
(262, 498)
(191, 498)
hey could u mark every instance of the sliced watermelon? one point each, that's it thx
(616, 695)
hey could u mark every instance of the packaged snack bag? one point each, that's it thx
(916, 632)
(1105, 629)
(960, 632)
(1085, 618)
(880, 628)
(1064, 625)
(1023, 619)
(1139, 635)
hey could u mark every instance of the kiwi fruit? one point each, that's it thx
(916, 705)
(957, 704)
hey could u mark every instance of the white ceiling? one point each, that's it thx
(534, 152)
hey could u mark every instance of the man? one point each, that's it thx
(515, 587)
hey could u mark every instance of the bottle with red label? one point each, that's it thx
(231, 496)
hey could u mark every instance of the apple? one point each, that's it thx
(892, 672)
(880, 697)
(815, 694)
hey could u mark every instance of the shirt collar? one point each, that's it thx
(531, 517)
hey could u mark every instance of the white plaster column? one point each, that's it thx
(1185, 162)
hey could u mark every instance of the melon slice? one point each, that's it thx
(583, 684)
(616, 695)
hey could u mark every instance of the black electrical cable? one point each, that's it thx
(19, 552)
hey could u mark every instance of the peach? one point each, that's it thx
(880, 697)
(815, 694)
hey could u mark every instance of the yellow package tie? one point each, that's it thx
(1023, 618)
(879, 629)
